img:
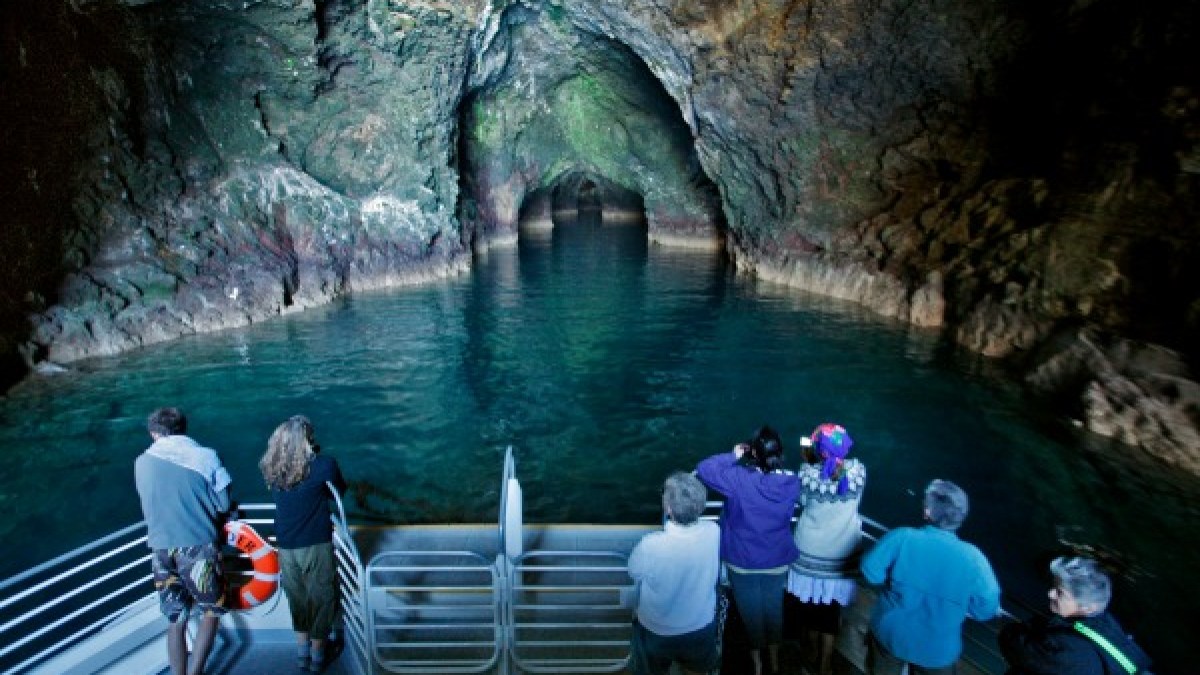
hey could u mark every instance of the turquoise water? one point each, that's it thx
(606, 363)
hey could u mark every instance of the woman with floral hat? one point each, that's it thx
(828, 535)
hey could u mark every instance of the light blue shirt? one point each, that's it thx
(933, 581)
(184, 490)
(676, 573)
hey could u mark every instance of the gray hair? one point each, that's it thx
(1084, 580)
(684, 496)
(946, 504)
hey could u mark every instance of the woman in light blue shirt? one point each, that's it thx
(676, 572)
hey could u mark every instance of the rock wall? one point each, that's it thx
(234, 160)
(1014, 174)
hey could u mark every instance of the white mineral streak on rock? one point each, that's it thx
(686, 242)
(928, 303)
(882, 293)
(386, 213)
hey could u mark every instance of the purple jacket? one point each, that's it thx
(756, 522)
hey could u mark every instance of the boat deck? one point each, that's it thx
(263, 657)
(270, 650)
(501, 598)
(272, 658)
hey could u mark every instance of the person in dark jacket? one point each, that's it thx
(1080, 637)
(297, 475)
(756, 535)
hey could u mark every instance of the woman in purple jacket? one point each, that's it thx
(756, 535)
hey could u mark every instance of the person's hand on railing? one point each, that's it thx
(233, 515)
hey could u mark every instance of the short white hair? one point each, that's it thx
(1084, 580)
(947, 504)
(684, 495)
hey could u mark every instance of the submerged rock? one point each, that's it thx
(1140, 394)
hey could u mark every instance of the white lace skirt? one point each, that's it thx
(824, 591)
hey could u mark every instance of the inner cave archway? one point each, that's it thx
(584, 192)
(579, 196)
(588, 198)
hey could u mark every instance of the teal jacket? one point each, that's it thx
(932, 581)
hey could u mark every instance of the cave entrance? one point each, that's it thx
(577, 124)
(579, 194)
(581, 199)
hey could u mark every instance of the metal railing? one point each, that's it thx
(58, 604)
(444, 611)
(441, 611)
(103, 590)
(434, 612)
(533, 611)
(570, 611)
(563, 611)
(351, 589)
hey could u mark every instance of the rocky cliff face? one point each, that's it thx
(1021, 176)
(235, 160)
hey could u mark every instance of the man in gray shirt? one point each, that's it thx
(184, 491)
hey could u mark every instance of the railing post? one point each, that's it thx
(511, 540)
(355, 633)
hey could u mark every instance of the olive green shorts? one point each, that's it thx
(310, 583)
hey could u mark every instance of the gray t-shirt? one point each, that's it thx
(184, 489)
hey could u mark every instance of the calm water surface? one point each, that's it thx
(606, 364)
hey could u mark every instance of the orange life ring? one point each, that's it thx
(263, 556)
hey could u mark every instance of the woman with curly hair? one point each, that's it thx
(297, 474)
